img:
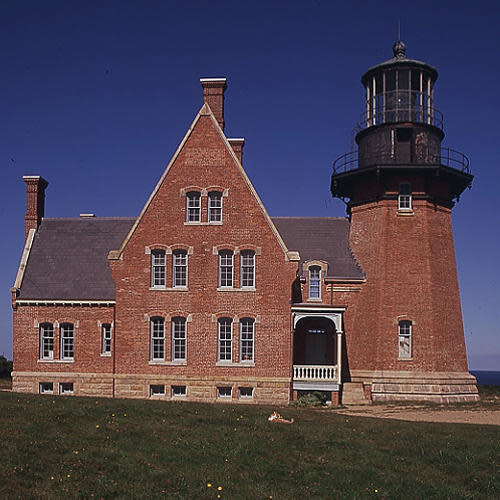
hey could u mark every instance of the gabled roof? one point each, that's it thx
(68, 259)
(321, 238)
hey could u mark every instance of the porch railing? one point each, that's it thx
(315, 373)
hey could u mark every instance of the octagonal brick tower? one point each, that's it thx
(404, 332)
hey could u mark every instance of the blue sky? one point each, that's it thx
(96, 96)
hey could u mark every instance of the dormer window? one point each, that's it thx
(215, 206)
(404, 197)
(315, 282)
(193, 207)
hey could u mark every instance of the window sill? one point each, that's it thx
(105, 355)
(314, 300)
(405, 359)
(168, 363)
(405, 212)
(55, 361)
(230, 364)
(195, 223)
(232, 289)
(173, 289)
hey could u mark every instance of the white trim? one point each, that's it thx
(222, 79)
(24, 258)
(48, 302)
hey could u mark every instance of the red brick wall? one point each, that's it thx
(411, 274)
(87, 338)
(204, 162)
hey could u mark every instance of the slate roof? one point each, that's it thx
(321, 238)
(68, 259)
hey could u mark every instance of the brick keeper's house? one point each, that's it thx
(206, 297)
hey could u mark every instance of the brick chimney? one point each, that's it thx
(213, 95)
(237, 145)
(35, 201)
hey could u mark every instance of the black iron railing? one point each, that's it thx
(448, 158)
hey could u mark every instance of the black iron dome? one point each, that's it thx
(401, 129)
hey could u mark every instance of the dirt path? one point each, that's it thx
(473, 415)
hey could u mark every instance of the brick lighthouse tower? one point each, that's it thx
(404, 333)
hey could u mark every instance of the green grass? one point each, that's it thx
(88, 447)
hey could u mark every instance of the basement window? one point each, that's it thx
(156, 390)
(224, 392)
(178, 391)
(66, 388)
(46, 388)
(245, 392)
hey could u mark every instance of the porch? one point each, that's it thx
(317, 348)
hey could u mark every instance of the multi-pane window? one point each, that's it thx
(106, 338)
(158, 268)
(224, 392)
(404, 197)
(247, 259)
(225, 327)
(193, 207)
(214, 206)
(178, 339)
(157, 326)
(246, 339)
(46, 387)
(315, 282)
(67, 341)
(156, 390)
(178, 391)
(226, 268)
(179, 272)
(404, 334)
(66, 388)
(245, 392)
(46, 341)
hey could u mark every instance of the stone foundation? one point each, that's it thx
(436, 387)
(201, 389)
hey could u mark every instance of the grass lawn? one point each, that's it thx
(88, 447)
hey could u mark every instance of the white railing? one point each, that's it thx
(326, 373)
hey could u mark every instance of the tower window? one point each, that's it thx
(405, 334)
(404, 197)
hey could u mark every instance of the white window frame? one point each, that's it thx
(156, 390)
(178, 325)
(158, 268)
(226, 269)
(178, 391)
(315, 282)
(247, 340)
(43, 388)
(405, 334)
(222, 389)
(179, 263)
(46, 341)
(241, 390)
(193, 206)
(157, 336)
(64, 388)
(224, 344)
(405, 197)
(247, 269)
(67, 347)
(106, 336)
(215, 207)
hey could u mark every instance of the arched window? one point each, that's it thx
(247, 274)
(157, 330)
(215, 206)
(226, 268)
(158, 268)
(67, 341)
(46, 341)
(179, 274)
(405, 340)
(246, 339)
(404, 197)
(193, 206)
(315, 282)
(225, 339)
(178, 339)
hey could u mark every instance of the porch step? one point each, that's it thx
(353, 394)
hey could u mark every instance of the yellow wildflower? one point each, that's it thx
(209, 485)
(219, 488)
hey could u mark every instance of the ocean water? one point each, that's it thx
(486, 377)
